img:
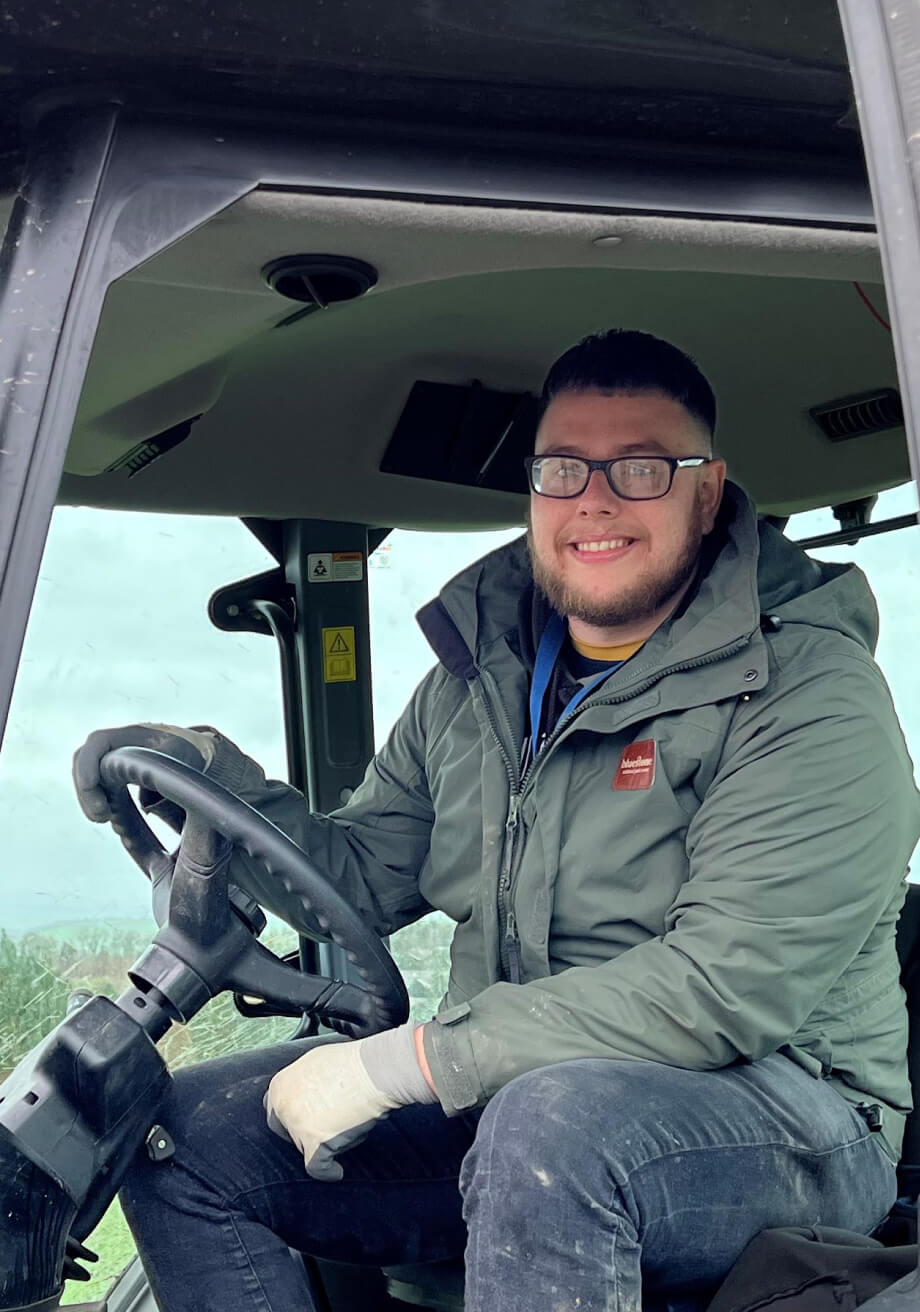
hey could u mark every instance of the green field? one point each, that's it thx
(115, 1247)
(39, 971)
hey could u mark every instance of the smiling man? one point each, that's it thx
(656, 780)
(616, 566)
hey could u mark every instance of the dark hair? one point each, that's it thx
(621, 360)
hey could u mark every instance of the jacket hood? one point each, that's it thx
(801, 590)
(749, 572)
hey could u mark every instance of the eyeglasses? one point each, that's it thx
(634, 478)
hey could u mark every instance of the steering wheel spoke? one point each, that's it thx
(199, 928)
(262, 976)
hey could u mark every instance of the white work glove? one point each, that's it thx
(329, 1099)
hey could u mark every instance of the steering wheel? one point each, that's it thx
(209, 927)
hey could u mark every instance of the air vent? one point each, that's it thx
(318, 281)
(464, 434)
(142, 455)
(857, 416)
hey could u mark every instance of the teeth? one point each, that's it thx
(610, 544)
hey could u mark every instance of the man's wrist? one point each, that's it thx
(391, 1061)
(419, 1037)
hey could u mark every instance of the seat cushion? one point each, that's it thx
(909, 956)
(436, 1285)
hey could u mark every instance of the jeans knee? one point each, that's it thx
(530, 1135)
(524, 1103)
(194, 1120)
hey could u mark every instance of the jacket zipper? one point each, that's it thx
(509, 942)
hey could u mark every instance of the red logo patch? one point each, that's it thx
(637, 766)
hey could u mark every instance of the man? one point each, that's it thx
(657, 781)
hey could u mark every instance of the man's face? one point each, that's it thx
(607, 563)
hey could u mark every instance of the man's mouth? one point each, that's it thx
(601, 548)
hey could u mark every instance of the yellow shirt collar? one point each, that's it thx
(611, 654)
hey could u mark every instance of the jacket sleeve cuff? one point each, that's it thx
(229, 764)
(453, 1065)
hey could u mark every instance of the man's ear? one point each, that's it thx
(711, 486)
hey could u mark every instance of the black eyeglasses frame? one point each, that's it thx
(673, 462)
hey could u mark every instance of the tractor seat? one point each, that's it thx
(909, 956)
(439, 1285)
(435, 1285)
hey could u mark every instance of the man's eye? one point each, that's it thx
(640, 469)
(568, 469)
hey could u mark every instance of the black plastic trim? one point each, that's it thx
(883, 43)
(845, 537)
(345, 159)
(97, 201)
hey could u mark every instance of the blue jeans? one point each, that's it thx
(579, 1186)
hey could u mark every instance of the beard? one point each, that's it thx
(647, 597)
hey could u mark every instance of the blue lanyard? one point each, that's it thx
(547, 655)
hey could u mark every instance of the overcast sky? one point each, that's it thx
(119, 633)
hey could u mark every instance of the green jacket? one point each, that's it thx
(743, 901)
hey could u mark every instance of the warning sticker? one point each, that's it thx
(339, 664)
(335, 567)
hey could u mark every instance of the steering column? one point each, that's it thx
(79, 1106)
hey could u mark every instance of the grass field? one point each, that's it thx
(112, 1241)
(38, 972)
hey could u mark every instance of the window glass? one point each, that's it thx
(890, 563)
(119, 633)
(407, 571)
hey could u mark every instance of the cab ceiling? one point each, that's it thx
(296, 416)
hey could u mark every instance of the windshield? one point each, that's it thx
(120, 634)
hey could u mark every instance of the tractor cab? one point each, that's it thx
(276, 300)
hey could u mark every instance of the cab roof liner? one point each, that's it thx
(300, 414)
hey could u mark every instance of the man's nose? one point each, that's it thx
(599, 497)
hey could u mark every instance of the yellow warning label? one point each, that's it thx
(339, 655)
